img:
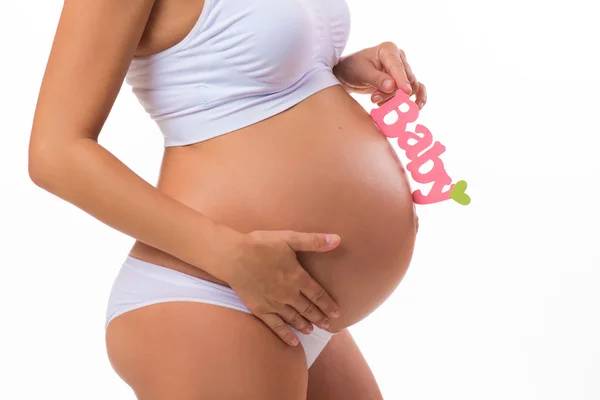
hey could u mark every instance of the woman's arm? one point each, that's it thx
(93, 47)
(94, 44)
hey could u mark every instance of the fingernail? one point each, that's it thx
(377, 98)
(388, 84)
(294, 342)
(335, 314)
(325, 323)
(332, 239)
(308, 330)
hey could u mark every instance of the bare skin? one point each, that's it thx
(341, 372)
(321, 166)
(194, 351)
(333, 160)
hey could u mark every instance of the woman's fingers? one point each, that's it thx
(277, 325)
(315, 294)
(380, 98)
(418, 89)
(394, 61)
(318, 296)
(408, 71)
(310, 311)
(389, 56)
(300, 241)
(293, 318)
(290, 298)
(421, 95)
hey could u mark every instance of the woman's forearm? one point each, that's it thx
(87, 175)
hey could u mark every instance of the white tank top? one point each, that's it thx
(242, 62)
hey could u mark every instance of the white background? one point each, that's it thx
(502, 300)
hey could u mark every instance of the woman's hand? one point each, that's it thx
(379, 71)
(276, 288)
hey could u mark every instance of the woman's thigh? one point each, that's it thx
(193, 351)
(342, 373)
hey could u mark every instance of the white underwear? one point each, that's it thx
(140, 283)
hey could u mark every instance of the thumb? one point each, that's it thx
(319, 242)
(382, 81)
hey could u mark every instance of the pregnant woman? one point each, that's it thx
(281, 216)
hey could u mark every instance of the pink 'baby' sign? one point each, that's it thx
(420, 149)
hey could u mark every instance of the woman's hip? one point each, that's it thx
(141, 284)
(193, 350)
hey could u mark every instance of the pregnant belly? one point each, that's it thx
(321, 166)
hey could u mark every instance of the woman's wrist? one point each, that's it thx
(215, 248)
(229, 250)
(337, 69)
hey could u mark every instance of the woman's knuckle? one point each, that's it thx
(319, 296)
(307, 285)
(299, 278)
(295, 319)
(273, 304)
(258, 309)
(289, 235)
(315, 240)
(310, 308)
(279, 297)
(261, 235)
(278, 325)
